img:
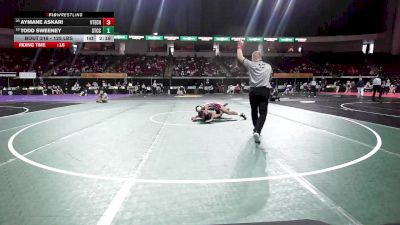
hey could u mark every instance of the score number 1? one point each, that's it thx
(108, 25)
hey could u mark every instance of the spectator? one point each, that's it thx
(386, 87)
(360, 87)
(130, 89)
(102, 97)
(76, 87)
(154, 87)
(337, 86)
(377, 87)
(144, 89)
(181, 91)
(288, 90)
(59, 90)
(368, 86)
(313, 88)
(392, 89)
(237, 89)
(348, 86)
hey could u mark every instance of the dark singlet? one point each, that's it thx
(216, 107)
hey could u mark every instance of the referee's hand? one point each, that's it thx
(240, 44)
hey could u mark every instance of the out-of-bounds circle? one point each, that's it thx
(344, 106)
(15, 107)
(193, 181)
(189, 122)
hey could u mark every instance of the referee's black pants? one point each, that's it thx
(259, 106)
(313, 89)
(374, 89)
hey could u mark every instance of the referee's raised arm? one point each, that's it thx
(259, 76)
(240, 56)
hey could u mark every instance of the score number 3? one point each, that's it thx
(108, 21)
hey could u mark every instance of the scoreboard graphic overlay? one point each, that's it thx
(34, 29)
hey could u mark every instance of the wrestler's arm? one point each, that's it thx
(214, 115)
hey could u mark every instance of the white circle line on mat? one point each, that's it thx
(15, 107)
(357, 110)
(191, 181)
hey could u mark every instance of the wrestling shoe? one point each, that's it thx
(243, 116)
(256, 138)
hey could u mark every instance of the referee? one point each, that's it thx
(260, 74)
(377, 86)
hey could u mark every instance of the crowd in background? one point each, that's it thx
(140, 65)
(59, 62)
(355, 85)
(196, 66)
